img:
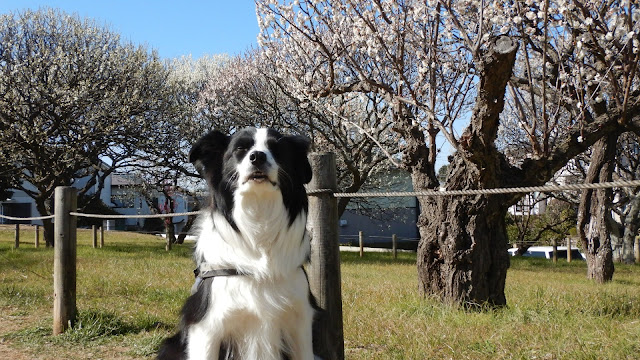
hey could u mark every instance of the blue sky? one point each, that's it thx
(173, 28)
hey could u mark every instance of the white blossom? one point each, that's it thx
(369, 48)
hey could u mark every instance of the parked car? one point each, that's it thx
(547, 252)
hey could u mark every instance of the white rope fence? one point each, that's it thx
(524, 190)
(516, 190)
(26, 218)
(148, 216)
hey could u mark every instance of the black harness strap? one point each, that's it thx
(202, 275)
(210, 273)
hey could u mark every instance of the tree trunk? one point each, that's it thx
(47, 224)
(187, 227)
(343, 203)
(616, 234)
(462, 256)
(630, 230)
(616, 247)
(594, 212)
(48, 232)
(170, 231)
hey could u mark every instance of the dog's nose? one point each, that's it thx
(258, 158)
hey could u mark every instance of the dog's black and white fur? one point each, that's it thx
(254, 237)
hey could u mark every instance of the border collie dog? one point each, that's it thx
(251, 299)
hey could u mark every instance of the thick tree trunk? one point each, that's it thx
(594, 212)
(463, 256)
(600, 264)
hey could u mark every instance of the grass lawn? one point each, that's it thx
(129, 295)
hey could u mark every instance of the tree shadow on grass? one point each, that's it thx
(378, 258)
(145, 250)
(91, 327)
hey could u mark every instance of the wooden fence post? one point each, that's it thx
(324, 270)
(394, 246)
(637, 249)
(17, 243)
(555, 250)
(94, 236)
(64, 261)
(37, 235)
(361, 242)
(102, 235)
(569, 249)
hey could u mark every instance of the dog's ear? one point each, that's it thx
(206, 154)
(301, 146)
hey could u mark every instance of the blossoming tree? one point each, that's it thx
(74, 101)
(626, 201)
(564, 70)
(244, 92)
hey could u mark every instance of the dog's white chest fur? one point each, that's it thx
(263, 312)
(265, 246)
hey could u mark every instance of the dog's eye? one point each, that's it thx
(243, 145)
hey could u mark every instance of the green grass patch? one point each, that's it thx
(91, 328)
(142, 335)
(129, 296)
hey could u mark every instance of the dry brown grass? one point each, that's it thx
(130, 293)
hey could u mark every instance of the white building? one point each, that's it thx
(118, 193)
(22, 205)
(126, 200)
(535, 203)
